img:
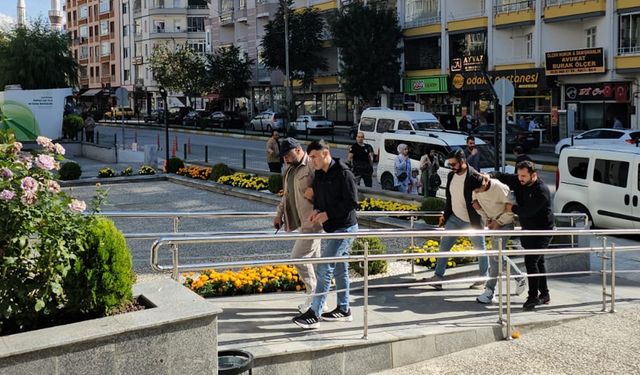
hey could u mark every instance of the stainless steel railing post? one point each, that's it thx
(603, 271)
(572, 224)
(500, 305)
(508, 298)
(174, 250)
(365, 312)
(413, 263)
(613, 278)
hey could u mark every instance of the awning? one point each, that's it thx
(91, 92)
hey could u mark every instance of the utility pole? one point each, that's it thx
(285, 8)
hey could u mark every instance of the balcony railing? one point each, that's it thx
(562, 2)
(423, 21)
(514, 7)
(635, 50)
(226, 17)
(466, 15)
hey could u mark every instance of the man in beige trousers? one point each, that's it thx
(296, 207)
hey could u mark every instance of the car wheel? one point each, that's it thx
(386, 181)
(577, 208)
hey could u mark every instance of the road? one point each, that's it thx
(235, 151)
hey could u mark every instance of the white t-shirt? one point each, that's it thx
(458, 203)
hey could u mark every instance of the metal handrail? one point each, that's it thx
(366, 258)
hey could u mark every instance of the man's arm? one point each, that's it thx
(348, 197)
(350, 154)
(511, 180)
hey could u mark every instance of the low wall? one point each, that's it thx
(177, 336)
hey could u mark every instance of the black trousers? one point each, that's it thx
(367, 178)
(535, 264)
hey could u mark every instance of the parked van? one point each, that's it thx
(423, 142)
(374, 122)
(602, 182)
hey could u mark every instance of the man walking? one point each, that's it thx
(273, 153)
(361, 157)
(533, 207)
(518, 152)
(296, 210)
(492, 202)
(460, 214)
(335, 200)
(472, 154)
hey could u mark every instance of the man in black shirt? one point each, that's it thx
(533, 207)
(518, 152)
(361, 157)
(335, 201)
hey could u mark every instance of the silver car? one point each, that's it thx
(267, 121)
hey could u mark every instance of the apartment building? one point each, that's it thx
(155, 22)
(94, 27)
(569, 60)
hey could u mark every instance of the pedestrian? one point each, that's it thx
(273, 153)
(402, 167)
(460, 214)
(462, 125)
(415, 185)
(533, 207)
(533, 125)
(472, 154)
(295, 208)
(493, 203)
(431, 181)
(617, 124)
(361, 158)
(518, 152)
(522, 123)
(89, 128)
(334, 201)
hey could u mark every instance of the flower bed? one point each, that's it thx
(195, 172)
(246, 281)
(371, 204)
(244, 180)
(432, 246)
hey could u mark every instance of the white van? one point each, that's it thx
(420, 143)
(374, 122)
(602, 182)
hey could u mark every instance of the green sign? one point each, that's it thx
(426, 85)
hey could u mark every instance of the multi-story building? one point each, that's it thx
(94, 27)
(171, 22)
(568, 60)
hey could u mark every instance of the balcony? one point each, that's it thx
(323, 5)
(629, 63)
(226, 17)
(515, 14)
(474, 19)
(514, 62)
(423, 24)
(265, 7)
(241, 15)
(166, 33)
(626, 4)
(423, 20)
(561, 10)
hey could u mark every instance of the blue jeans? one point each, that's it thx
(446, 243)
(493, 261)
(325, 272)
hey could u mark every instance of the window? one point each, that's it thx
(84, 52)
(591, 37)
(404, 125)
(105, 49)
(104, 27)
(195, 24)
(421, 12)
(126, 74)
(611, 172)
(529, 45)
(84, 32)
(629, 34)
(125, 52)
(384, 125)
(84, 12)
(367, 124)
(104, 6)
(578, 167)
(91, 71)
(610, 134)
(125, 7)
(125, 30)
(197, 46)
(422, 53)
(159, 26)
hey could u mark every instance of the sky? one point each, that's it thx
(35, 8)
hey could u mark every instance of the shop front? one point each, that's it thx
(430, 93)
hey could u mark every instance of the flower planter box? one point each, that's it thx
(178, 335)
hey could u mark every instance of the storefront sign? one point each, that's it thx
(521, 79)
(426, 85)
(467, 63)
(581, 61)
(601, 91)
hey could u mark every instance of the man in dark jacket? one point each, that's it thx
(533, 207)
(460, 214)
(335, 200)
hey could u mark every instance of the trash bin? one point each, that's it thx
(151, 155)
(233, 362)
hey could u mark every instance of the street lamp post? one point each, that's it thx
(163, 93)
(286, 60)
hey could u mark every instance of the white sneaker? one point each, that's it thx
(521, 286)
(486, 298)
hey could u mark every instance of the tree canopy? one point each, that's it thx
(180, 70)
(37, 57)
(229, 71)
(369, 40)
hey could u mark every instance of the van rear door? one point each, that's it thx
(634, 192)
(610, 201)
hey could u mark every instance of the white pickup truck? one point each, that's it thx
(313, 124)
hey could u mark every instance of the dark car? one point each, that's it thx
(156, 116)
(176, 114)
(226, 120)
(448, 121)
(515, 136)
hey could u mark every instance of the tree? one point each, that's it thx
(229, 72)
(368, 37)
(305, 44)
(181, 70)
(37, 57)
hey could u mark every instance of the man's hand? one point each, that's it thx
(441, 222)
(277, 223)
(318, 217)
(476, 205)
(308, 194)
(494, 225)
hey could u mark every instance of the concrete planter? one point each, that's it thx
(177, 336)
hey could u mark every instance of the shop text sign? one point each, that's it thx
(580, 61)
(467, 63)
(521, 79)
(618, 91)
(426, 85)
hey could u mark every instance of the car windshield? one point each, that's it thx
(426, 125)
(487, 154)
(317, 118)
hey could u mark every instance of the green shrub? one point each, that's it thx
(146, 170)
(106, 172)
(173, 164)
(375, 247)
(219, 170)
(102, 277)
(432, 204)
(70, 171)
(275, 183)
(71, 125)
(128, 171)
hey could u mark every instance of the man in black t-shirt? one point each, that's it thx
(361, 158)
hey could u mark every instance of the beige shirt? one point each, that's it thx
(273, 151)
(493, 203)
(458, 203)
(303, 178)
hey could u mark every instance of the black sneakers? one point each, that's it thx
(531, 303)
(544, 299)
(338, 315)
(308, 320)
